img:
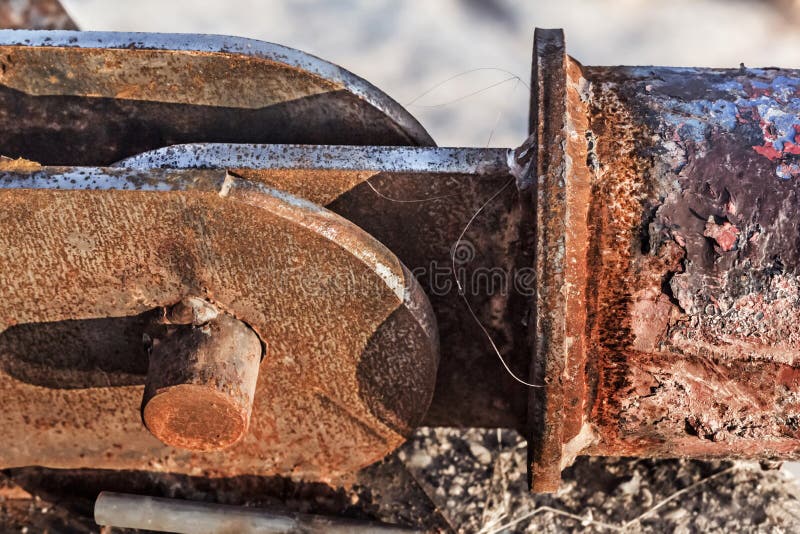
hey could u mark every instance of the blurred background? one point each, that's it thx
(413, 49)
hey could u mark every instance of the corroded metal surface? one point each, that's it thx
(321, 174)
(681, 186)
(85, 245)
(35, 15)
(548, 209)
(703, 358)
(655, 209)
(93, 98)
(559, 206)
(244, 157)
(201, 376)
(417, 201)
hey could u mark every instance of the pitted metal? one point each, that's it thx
(88, 253)
(93, 98)
(652, 210)
(417, 201)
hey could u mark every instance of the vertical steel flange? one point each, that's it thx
(560, 191)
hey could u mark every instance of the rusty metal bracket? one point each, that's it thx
(93, 98)
(416, 201)
(89, 255)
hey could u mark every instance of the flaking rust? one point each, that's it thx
(691, 294)
(713, 312)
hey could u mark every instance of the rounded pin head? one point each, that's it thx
(201, 378)
(195, 417)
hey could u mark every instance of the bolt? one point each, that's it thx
(201, 377)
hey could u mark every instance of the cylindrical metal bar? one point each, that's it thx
(694, 262)
(201, 377)
(172, 515)
(668, 262)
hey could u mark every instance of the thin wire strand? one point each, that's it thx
(459, 75)
(442, 197)
(677, 494)
(463, 295)
(464, 97)
(479, 210)
(500, 114)
(619, 528)
(556, 511)
(409, 201)
(458, 282)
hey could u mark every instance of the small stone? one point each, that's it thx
(419, 460)
(480, 452)
(632, 486)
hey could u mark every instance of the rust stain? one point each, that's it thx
(178, 77)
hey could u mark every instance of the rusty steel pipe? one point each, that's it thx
(201, 377)
(666, 229)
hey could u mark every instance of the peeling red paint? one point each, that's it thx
(768, 151)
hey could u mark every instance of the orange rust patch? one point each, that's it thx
(194, 417)
(578, 199)
(614, 221)
(18, 165)
(180, 77)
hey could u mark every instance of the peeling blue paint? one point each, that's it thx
(773, 103)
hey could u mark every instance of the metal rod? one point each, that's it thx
(173, 515)
(664, 237)
(201, 377)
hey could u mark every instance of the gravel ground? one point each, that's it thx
(478, 481)
(453, 480)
